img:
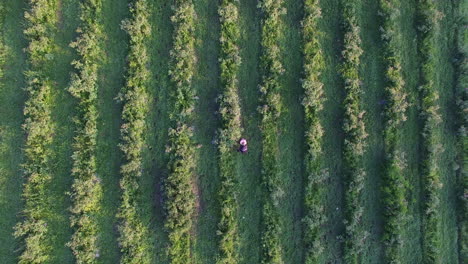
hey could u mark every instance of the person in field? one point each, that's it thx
(243, 145)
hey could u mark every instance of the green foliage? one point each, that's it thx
(134, 237)
(39, 129)
(427, 26)
(315, 217)
(270, 110)
(230, 131)
(395, 181)
(180, 205)
(86, 189)
(355, 135)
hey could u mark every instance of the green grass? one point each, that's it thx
(333, 137)
(207, 86)
(372, 70)
(158, 124)
(206, 83)
(410, 142)
(248, 168)
(109, 156)
(62, 112)
(445, 84)
(12, 98)
(291, 136)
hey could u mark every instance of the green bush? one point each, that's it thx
(270, 110)
(230, 131)
(315, 218)
(180, 205)
(86, 191)
(355, 135)
(134, 240)
(39, 129)
(427, 18)
(395, 180)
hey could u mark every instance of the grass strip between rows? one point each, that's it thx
(355, 135)
(33, 229)
(87, 190)
(134, 240)
(180, 204)
(396, 105)
(428, 18)
(2, 43)
(270, 110)
(230, 132)
(462, 157)
(314, 98)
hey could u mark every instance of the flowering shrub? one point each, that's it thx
(427, 26)
(38, 126)
(395, 180)
(86, 191)
(315, 217)
(270, 111)
(355, 136)
(134, 237)
(180, 205)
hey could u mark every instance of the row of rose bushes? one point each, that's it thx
(395, 181)
(315, 217)
(180, 204)
(134, 239)
(270, 110)
(427, 18)
(87, 190)
(355, 135)
(40, 29)
(230, 132)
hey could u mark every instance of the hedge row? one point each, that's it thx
(270, 109)
(180, 205)
(39, 128)
(427, 27)
(87, 188)
(355, 135)
(315, 217)
(134, 240)
(230, 131)
(395, 181)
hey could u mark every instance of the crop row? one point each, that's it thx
(314, 98)
(270, 110)
(86, 191)
(355, 136)
(230, 131)
(395, 180)
(180, 204)
(427, 27)
(134, 237)
(39, 129)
